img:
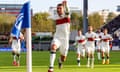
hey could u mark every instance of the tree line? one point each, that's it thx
(41, 23)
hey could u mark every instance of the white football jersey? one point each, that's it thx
(63, 26)
(80, 39)
(106, 38)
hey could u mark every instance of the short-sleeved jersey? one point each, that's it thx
(91, 36)
(80, 39)
(106, 38)
(98, 37)
(90, 39)
(62, 26)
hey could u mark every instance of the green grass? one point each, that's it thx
(40, 62)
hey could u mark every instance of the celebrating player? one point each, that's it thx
(90, 46)
(98, 44)
(61, 36)
(16, 48)
(105, 48)
(80, 42)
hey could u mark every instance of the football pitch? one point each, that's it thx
(40, 62)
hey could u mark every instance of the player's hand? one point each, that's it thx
(64, 3)
(9, 42)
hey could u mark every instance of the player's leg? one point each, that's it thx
(14, 51)
(107, 55)
(103, 53)
(78, 56)
(92, 58)
(61, 59)
(14, 57)
(52, 57)
(83, 53)
(103, 57)
(98, 53)
(18, 50)
(63, 51)
(88, 57)
(18, 59)
(53, 49)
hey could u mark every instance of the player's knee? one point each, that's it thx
(88, 55)
(103, 57)
(53, 47)
(52, 52)
(103, 54)
(98, 50)
(63, 58)
(92, 56)
(18, 55)
(13, 53)
(78, 61)
(107, 57)
(78, 54)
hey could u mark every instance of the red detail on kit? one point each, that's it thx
(62, 21)
(90, 39)
(106, 40)
(80, 41)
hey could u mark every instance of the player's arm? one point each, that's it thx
(21, 36)
(75, 43)
(84, 42)
(67, 13)
(111, 38)
(10, 40)
(96, 36)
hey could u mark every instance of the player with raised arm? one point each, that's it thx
(90, 46)
(105, 47)
(61, 36)
(16, 48)
(80, 42)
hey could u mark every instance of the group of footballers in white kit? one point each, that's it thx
(85, 43)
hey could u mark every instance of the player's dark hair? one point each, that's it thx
(105, 29)
(79, 29)
(60, 4)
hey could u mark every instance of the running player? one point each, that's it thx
(98, 44)
(16, 48)
(61, 36)
(90, 46)
(105, 47)
(80, 42)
